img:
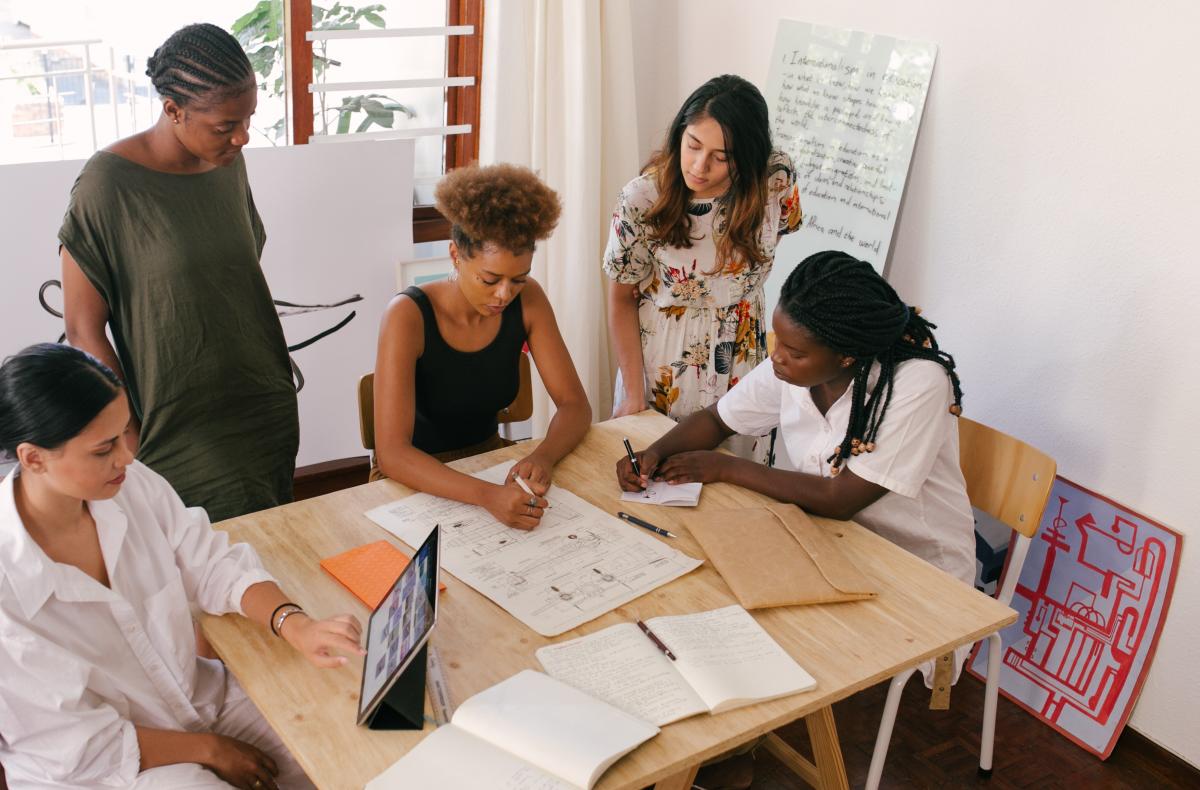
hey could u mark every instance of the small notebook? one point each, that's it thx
(723, 660)
(368, 571)
(530, 732)
(660, 492)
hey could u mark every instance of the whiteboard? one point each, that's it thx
(339, 222)
(846, 105)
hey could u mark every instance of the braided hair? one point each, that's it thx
(198, 60)
(851, 309)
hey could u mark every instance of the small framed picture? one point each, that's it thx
(430, 262)
(420, 272)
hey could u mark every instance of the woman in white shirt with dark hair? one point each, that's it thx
(866, 405)
(100, 685)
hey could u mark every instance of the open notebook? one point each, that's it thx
(724, 660)
(530, 732)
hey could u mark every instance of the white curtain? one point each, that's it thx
(557, 96)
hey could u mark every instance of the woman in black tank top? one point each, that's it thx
(449, 351)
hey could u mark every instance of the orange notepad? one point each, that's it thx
(368, 571)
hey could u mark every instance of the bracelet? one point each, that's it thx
(284, 616)
(271, 619)
(277, 608)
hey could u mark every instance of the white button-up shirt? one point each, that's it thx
(81, 663)
(925, 510)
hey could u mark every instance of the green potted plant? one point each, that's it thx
(260, 32)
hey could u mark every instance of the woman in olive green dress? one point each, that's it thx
(161, 243)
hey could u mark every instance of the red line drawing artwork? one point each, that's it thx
(1092, 597)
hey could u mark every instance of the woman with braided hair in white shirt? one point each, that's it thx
(100, 560)
(866, 404)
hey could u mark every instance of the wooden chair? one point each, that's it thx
(519, 410)
(1011, 481)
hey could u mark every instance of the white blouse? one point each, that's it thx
(925, 510)
(81, 664)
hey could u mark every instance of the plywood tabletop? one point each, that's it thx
(920, 613)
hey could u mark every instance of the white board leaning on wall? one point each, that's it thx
(846, 105)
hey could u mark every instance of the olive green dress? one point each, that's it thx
(176, 258)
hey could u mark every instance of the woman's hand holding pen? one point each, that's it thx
(647, 461)
(534, 471)
(325, 643)
(512, 506)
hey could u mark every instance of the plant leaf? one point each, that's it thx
(249, 20)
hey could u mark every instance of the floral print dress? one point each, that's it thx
(700, 332)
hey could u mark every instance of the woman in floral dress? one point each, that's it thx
(692, 242)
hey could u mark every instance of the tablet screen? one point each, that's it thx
(400, 624)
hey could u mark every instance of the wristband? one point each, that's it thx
(271, 619)
(279, 623)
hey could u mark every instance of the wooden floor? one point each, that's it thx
(930, 749)
(940, 749)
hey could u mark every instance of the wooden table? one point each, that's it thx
(920, 613)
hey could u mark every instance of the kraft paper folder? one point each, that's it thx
(368, 571)
(777, 556)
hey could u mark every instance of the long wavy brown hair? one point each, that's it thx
(742, 113)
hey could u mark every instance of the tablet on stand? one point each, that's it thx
(392, 696)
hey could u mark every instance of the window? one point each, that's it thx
(72, 76)
(414, 74)
(72, 72)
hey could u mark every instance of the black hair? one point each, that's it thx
(49, 393)
(851, 309)
(199, 60)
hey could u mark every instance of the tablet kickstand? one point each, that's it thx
(403, 708)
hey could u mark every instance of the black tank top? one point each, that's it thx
(459, 392)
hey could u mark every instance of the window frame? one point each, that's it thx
(464, 58)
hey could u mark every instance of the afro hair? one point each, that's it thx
(502, 204)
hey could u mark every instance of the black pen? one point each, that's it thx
(637, 470)
(657, 642)
(643, 524)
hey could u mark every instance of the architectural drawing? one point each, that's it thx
(579, 563)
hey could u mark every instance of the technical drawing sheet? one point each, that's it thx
(578, 564)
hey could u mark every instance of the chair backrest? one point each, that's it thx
(519, 410)
(366, 411)
(1006, 477)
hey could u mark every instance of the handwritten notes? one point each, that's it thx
(846, 105)
(660, 492)
(725, 660)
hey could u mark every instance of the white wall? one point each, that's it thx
(338, 219)
(1045, 230)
